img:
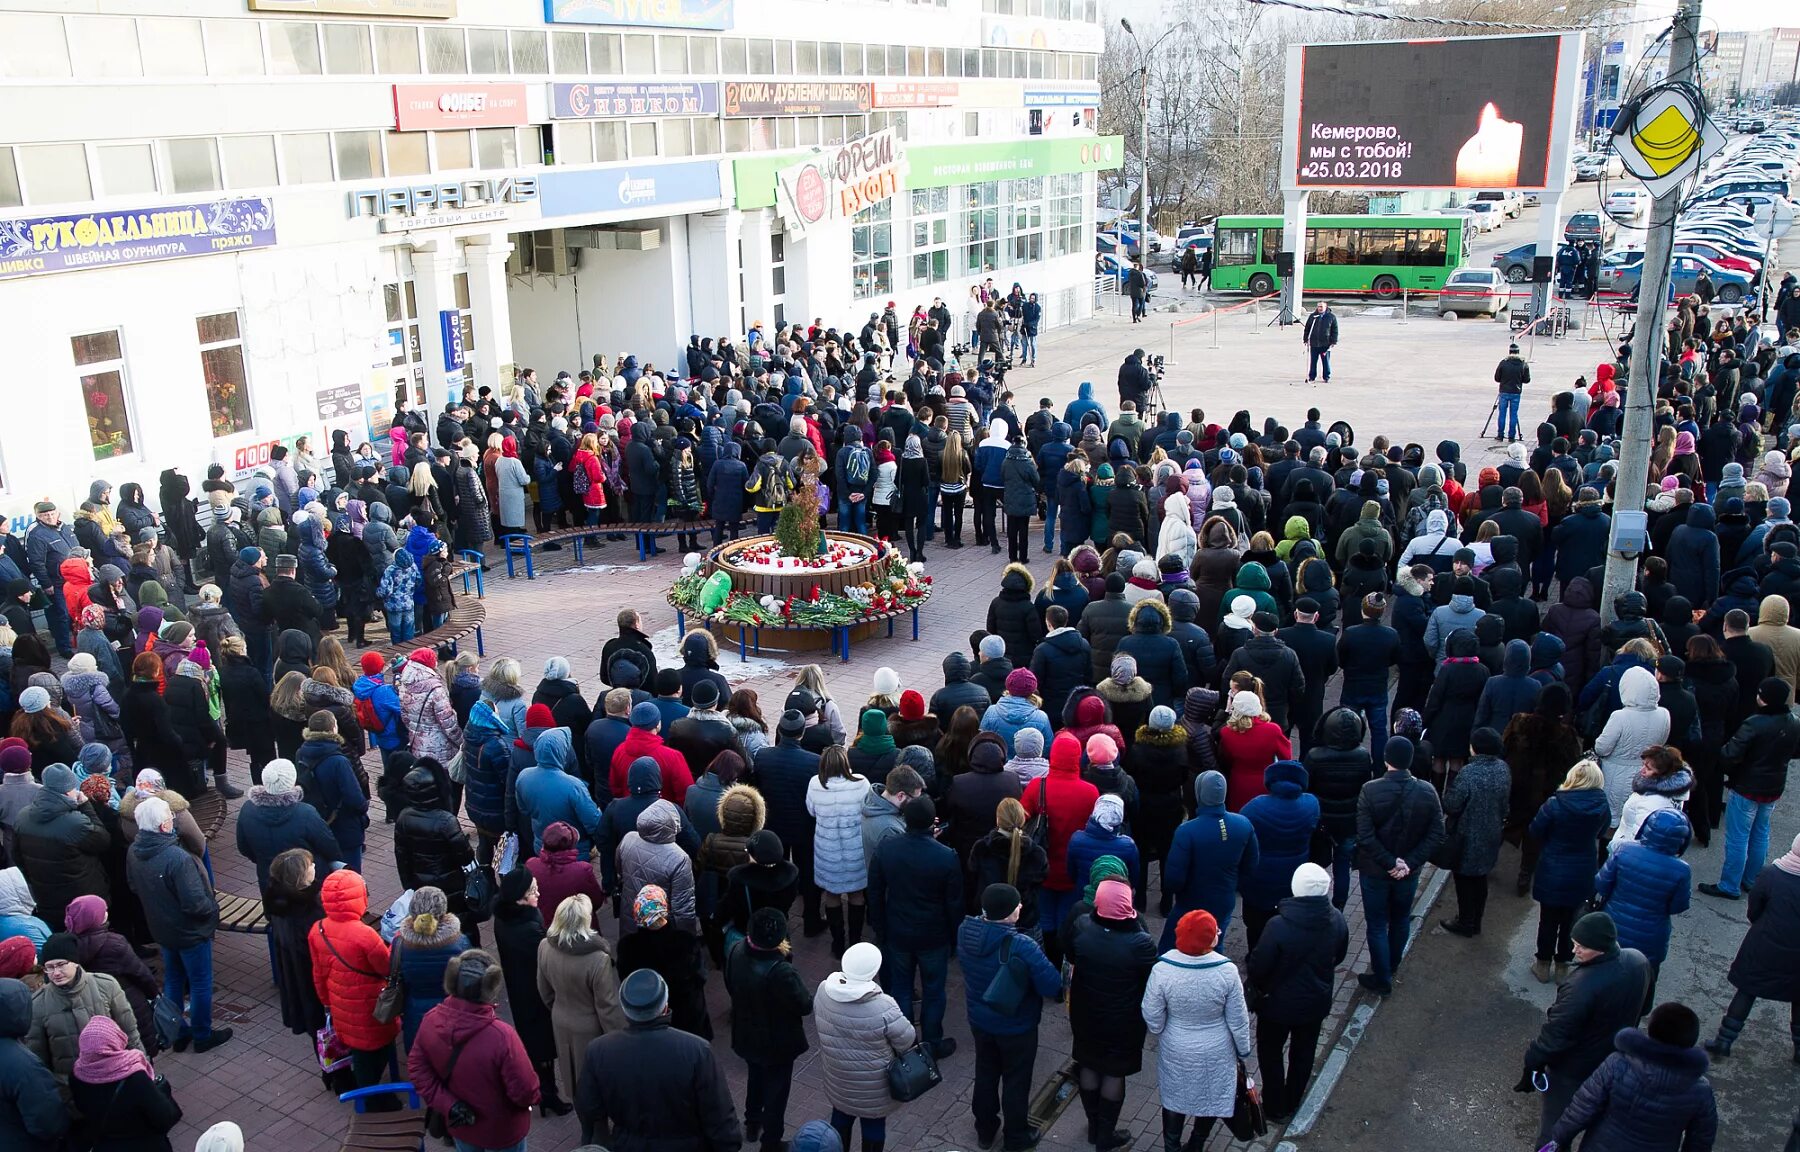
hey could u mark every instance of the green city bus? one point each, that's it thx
(1379, 255)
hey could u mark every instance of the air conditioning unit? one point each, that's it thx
(550, 254)
(615, 239)
(518, 261)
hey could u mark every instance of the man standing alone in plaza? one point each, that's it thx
(1398, 825)
(1512, 374)
(1320, 335)
(1005, 980)
(1138, 285)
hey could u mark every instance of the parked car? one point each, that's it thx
(1510, 202)
(1474, 292)
(1599, 166)
(1724, 258)
(1488, 214)
(1620, 275)
(1625, 204)
(1589, 227)
(1515, 263)
(1118, 267)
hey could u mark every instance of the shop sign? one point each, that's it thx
(713, 14)
(411, 206)
(428, 9)
(795, 97)
(418, 107)
(1051, 35)
(1062, 97)
(33, 244)
(247, 458)
(592, 101)
(915, 93)
(936, 166)
(637, 186)
(840, 181)
(450, 326)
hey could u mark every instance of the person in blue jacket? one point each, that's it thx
(1568, 827)
(1284, 818)
(328, 781)
(1102, 837)
(1646, 883)
(377, 700)
(990, 454)
(1208, 855)
(1050, 460)
(1084, 403)
(549, 791)
(1006, 1036)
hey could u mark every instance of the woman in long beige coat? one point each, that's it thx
(579, 982)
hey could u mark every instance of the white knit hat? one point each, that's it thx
(1311, 880)
(862, 963)
(278, 777)
(887, 682)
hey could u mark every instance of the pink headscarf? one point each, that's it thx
(106, 1055)
(85, 914)
(1684, 443)
(1112, 901)
(1671, 482)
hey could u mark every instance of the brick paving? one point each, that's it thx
(266, 1079)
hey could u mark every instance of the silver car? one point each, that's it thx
(1474, 292)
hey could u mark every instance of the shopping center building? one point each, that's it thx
(228, 223)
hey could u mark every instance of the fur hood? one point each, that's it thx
(316, 695)
(1022, 573)
(1408, 585)
(1113, 692)
(128, 803)
(1148, 737)
(1140, 619)
(741, 811)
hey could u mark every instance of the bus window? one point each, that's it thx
(1382, 246)
(1329, 246)
(1235, 246)
(1427, 246)
(1271, 244)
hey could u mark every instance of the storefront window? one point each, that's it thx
(100, 362)
(453, 151)
(397, 51)
(193, 164)
(570, 52)
(347, 50)
(981, 227)
(604, 54)
(222, 368)
(294, 48)
(1065, 214)
(872, 246)
(445, 53)
(931, 236)
(497, 147)
(530, 53)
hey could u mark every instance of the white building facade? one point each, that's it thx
(228, 223)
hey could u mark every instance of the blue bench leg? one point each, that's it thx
(890, 631)
(680, 623)
(915, 616)
(480, 646)
(743, 644)
(756, 642)
(640, 544)
(506, 550)
(846, 645)
(530, 568)
(578, 560)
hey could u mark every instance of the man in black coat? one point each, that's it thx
(291, 604)
(631, 635)
(1134, 381)
(959, 690)
(1293, 966)
(1320, 335)
(1521, 525)
(1275, 664)
(1060, 662)
(1316, 652)
(60, 846)
(1604, 993)
(183, 915)
(783, 770)
(915, 904)
(1753, 660)
(1511, 374)
(1104, 623)
(1399, 824)
(655, 1086)
(1755, 761)
(705, 731)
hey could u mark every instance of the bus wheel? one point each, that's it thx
(1261, 284)
(1385, 287)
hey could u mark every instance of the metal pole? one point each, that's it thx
(1215, 343)
(1143, 244)
(1646, 347)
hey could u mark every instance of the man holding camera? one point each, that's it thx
(1512, 374)
(1135, 381)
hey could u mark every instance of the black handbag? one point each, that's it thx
(913, 1073)
(1037, 827)
(1247, 1121)
(1449, 852)
(1006, 991)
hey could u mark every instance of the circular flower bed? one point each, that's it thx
(764, 556)
(748, 582)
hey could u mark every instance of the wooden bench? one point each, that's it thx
(209, 810)
(750, 635)
(516, 547)
(241, 914)
(465, 620)
(402, 1131)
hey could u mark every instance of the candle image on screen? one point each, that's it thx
(1490, 158)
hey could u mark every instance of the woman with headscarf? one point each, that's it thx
(124, 1105)
(673, 953)
(915, 497)
(1194, 1001)
(518, 931)
(1113, 957)
(511, 482)
(1176, 536)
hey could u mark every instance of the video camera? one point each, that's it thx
(1156, 366)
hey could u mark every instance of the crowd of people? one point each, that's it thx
(1275, 664)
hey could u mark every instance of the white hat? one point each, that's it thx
(152, 814)
(887, 682)
(221, 1137)
(862, 963)
(1310, 879)
(1242, 608)
(278, 777)
(1244, 703)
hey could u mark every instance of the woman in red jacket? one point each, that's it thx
(350, 965)
(492, 1073)
(1069, 801)
(586, 460)
(1248, 743)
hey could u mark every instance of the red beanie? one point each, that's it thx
(912, 705)
(425, 656)
(1090, 710)
(18, 956)
(1196, 933)
(539, 716)
(372, 663)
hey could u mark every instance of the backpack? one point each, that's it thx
(367, 718)
(1415, 516)
(856, 465)
(579, 479)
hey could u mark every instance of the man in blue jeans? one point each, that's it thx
(1755, 761)
(1398, 825)
(915, 904)
(1511, 375)
(183, 915)
(1006, 1033)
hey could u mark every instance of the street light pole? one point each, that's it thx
(1143, 237)
(1646, 345)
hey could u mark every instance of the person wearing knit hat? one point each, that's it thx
(1604, 994)
(1408, 825)
(1006, 1034)
(18, 959)
(913, 725)
(1111, 954)
(334, 785)
(1194, 1001)
(1205, 858)
(769, 1003)
(1652, 1090)
(221, 1137)
(1101, 751)
(1293, 965)
(861, 1029)
(1016, 710)
(33, 700)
